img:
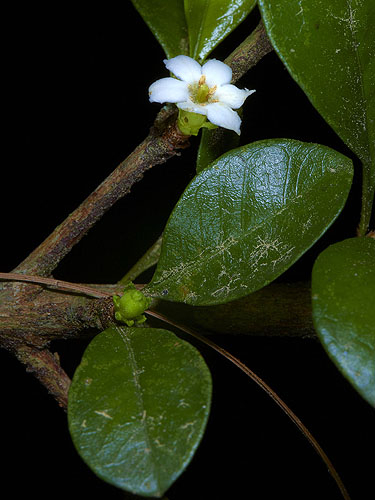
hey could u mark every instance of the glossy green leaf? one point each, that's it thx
(138, 407)
(343, 300)
(166, 20)
(213, 144)
(245, 219)
(329, 49)
(210, 21)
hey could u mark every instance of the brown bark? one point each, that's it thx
(250, 52)
(29, 322)
(48, 315)
(45, 366)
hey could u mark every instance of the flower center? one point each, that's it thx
(200, 92)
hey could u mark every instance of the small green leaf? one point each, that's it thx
(210, 21)
(166, 20)
(329, 49)
(213, 144)
(343, 300)
(138, 406)
(246, 218)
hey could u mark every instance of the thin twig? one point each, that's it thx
(270, 393)
(149, 259)
(53, 283)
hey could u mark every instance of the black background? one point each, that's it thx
(76, 105)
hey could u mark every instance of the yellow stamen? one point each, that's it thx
(211, 91)
(202, 80)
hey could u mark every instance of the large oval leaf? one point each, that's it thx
(343, 293)
(246, 218)
(166, 20)
(210, 21)
(329, 49)
(138, 406)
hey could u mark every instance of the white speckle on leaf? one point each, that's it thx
(188, 424)
(103, 414)
(158, 443)
(191, 297)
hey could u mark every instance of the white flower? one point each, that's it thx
(202, 89)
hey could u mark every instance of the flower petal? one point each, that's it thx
(185, 68)
(223, 116)
(193, 107)
(217, 73)
(231, 95)
(168, 90)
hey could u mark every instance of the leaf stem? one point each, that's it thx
(271, 393)
(149, 259)
(368, 193)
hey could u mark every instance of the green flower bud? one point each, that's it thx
(190, 123)
(129, 308)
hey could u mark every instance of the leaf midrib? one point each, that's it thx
(195, 53)
(140, 401)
